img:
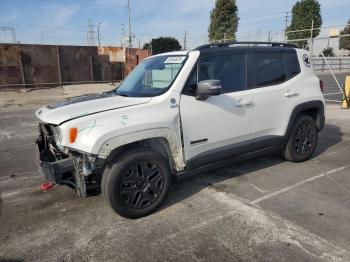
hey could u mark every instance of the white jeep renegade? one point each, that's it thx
(181, 113)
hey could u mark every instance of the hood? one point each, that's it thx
(80, 106)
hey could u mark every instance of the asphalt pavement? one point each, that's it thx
(262, 209)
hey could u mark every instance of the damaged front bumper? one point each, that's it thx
(78, 170)
(54, 165)
(56, 171)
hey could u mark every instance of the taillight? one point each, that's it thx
(73, 132)
(321, 85)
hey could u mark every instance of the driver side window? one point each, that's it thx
(191, 84)
(230, 69)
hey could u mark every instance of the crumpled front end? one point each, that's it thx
(63, 166)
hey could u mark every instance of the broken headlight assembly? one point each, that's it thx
(57, 134)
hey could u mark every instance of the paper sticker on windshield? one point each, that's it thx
(175, 60)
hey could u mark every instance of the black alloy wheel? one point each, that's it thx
(302, 141)
(305, 138)
(136, 182)
(141, 185)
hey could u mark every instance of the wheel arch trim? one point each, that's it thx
(164, 136)
(310, 105)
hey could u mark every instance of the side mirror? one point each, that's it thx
(208, 88)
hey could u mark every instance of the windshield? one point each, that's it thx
(152, 77)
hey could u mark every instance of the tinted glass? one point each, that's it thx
(292, 62)
(269, 69)
(191, 84)
(230, 69)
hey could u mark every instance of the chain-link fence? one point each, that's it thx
(332, 77)
(329, 36)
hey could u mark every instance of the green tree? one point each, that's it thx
(162, 45)
(147, 46)
(303, 13)
(223, 20)
(328, 52)
(344, 42)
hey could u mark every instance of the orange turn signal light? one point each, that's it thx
(73, 132)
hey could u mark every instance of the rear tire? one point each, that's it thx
(135, 184)
(302, 141)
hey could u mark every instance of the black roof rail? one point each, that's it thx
(228, 44)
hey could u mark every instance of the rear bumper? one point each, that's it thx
(55, 171)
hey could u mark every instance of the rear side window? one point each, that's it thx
(230, 69)
(269, 69)
(292, 63)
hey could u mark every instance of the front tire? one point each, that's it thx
(135, 184)
(302, 141)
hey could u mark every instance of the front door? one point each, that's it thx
(220, 126)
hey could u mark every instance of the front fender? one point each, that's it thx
(166, 133)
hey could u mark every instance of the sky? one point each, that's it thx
(66, 21)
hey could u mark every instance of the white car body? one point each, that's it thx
(191, 128)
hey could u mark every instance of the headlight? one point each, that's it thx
(56, 130)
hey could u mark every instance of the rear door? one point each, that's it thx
(218, 127)
(275, 89)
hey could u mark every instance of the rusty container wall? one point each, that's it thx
(111, 62)
(40, 64)
(76, 63)
(133, 57)
(10, 65)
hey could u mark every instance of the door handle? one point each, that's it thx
(291, 93)
(242, 102)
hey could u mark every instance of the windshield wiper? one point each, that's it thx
(121, 94)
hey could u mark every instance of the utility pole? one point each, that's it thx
(150, 45)
(11, 30)
(286, 26)
(185, 41)
(312, 39)
(91, 34)
(129, 18)
(122, 39)
(269, 39)
(98, 34)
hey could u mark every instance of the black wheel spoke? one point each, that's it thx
(304, 139)
(136, 198)
(141, 185)
(145, 200)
